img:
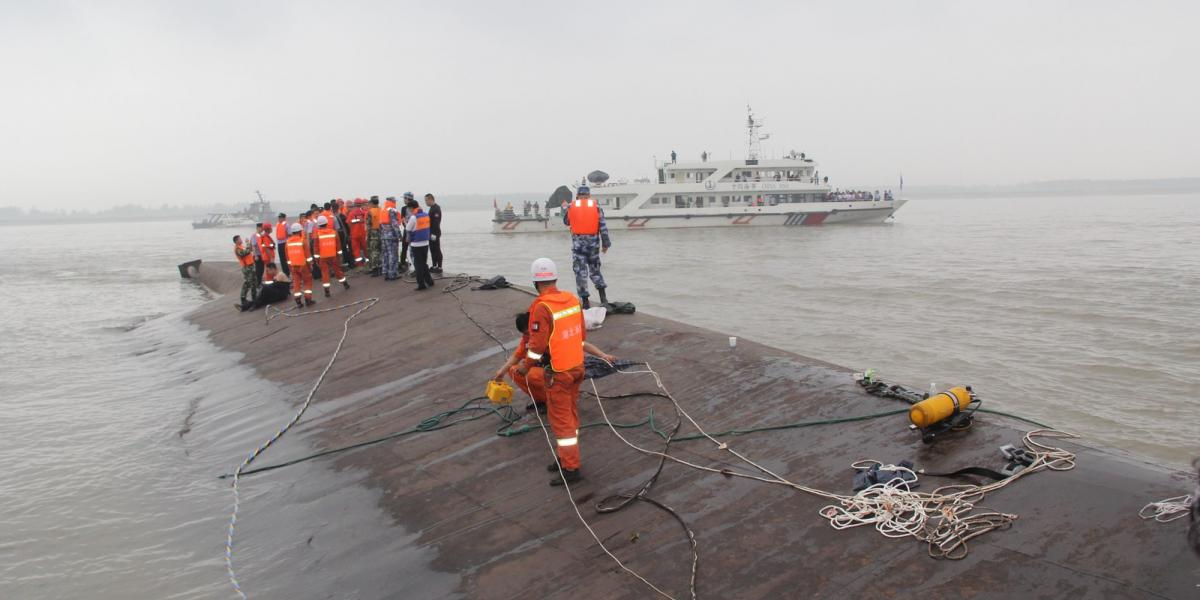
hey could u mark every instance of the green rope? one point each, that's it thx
(444, 420)
(1012, 416)
(434, 423)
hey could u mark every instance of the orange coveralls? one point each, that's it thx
(329, 251)
(559, 389)
(299, 260)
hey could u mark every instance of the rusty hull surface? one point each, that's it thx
(483, 503)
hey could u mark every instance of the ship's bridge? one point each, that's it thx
(724, 171)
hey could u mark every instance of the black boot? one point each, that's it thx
(603, 298)
(569, 476)
(540, 406)
(309, 302)
(552, 467)
(346, 284)
(327, 292)
(299, 303)
(584, 301)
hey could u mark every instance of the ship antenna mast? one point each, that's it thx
(755, 142)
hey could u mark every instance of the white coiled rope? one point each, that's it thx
(942, 518)
(1168, 510)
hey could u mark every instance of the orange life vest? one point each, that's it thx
(584, 216)
(246, 260)
(328, 216)
(386, 217)
(281, 229)
(374, 214)
(566, 333)
(297, 251)
(266, 246)
(327, 242)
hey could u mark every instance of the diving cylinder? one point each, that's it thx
(939, 407)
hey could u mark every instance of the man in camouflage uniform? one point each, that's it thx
(588, 240)
(249, 279)
(390, 239)
(373, 241)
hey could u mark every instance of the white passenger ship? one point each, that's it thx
(785, 191)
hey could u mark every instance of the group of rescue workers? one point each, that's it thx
(326, 241)
(548, 364)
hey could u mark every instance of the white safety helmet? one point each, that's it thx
(296, 228)
(321, 220)
(543, 269)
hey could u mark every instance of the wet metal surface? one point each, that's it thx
(480, 502)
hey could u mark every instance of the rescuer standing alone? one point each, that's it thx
(555, 346)
(589, 238)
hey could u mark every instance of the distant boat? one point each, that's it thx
(257, 212)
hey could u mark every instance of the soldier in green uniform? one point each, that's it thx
(245, 257)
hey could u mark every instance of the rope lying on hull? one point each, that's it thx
(575, 507)
(941, 519)
(463, 281)
(1165, 511)
(237, 474)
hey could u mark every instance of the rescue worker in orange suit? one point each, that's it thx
(555, 347)
(534, 384)
(281, 234)
(245, 258)
(301, 263)
(329, 254)
(358, 233)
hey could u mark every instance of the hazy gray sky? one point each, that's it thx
(194, 102)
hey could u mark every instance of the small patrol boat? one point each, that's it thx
(788, 191)
(256, 212)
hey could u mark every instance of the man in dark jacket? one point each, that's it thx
(435, 233)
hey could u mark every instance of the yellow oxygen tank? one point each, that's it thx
(939, 407)
(499, 392)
